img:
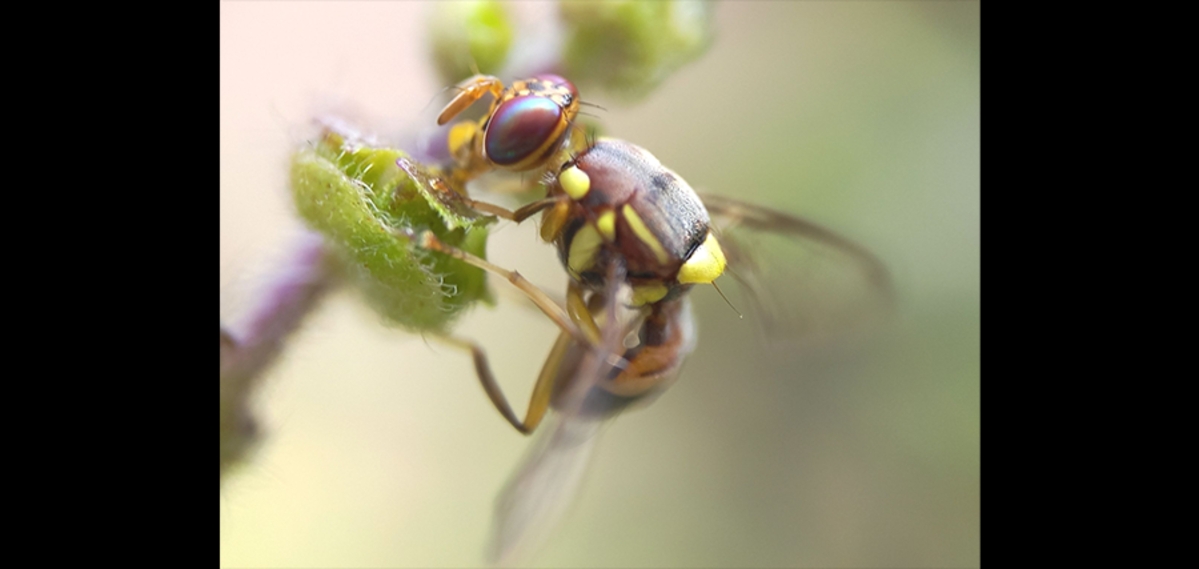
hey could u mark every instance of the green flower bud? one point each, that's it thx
(629, 46)
(467, 34)
(367, 208)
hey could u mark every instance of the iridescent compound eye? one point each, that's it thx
(522, 128)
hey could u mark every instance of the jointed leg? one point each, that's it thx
(543, 301)
(579, 313)
(540, 400)
(469, 91)
(522, 213)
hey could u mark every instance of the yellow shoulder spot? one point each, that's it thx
(643, 233)
(583, 248)
(705, 264)
(575, 182)
(606, 223)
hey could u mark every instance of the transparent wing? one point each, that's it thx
(543, 488)
(539, 494)
(801, 281)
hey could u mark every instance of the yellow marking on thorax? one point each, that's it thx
(705, 264)
(648, 294)
(583, 248)
(606, 223)
(575, 182)
(643, 233)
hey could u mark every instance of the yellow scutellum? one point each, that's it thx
(705, 264)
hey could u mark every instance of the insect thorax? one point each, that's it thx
(629, 208)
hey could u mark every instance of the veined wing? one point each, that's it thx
(800, 279)
(539, 494)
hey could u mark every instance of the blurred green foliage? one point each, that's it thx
(624, 47)
(628, 47)
(466, 34)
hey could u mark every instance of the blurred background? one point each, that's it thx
(382, 449)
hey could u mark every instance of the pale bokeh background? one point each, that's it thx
(383, 450)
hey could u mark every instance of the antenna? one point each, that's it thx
(726, 300)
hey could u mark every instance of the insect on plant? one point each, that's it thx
(634, 238)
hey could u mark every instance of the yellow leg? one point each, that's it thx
(576, 307)
(554, 220)
(427, 240)
(470, 91)
(522, 213)
(540, 400)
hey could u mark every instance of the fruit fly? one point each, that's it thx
(634, 239)
(528, 127)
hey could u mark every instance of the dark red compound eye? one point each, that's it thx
(520, 127)
(559, 81)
